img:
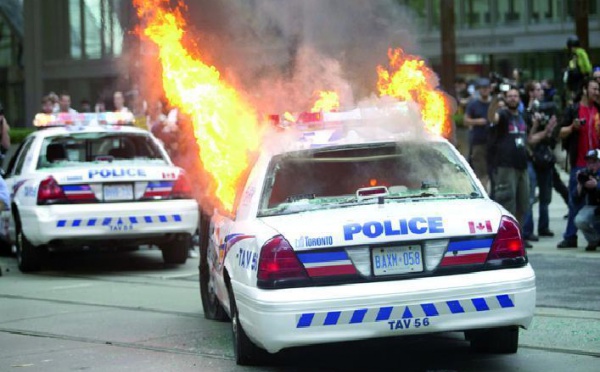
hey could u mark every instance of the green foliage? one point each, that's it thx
(459, 120)
(17, 135)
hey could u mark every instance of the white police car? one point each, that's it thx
(85, 183)
(355, 233)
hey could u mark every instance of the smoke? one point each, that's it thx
(277, 54)
(280, 52)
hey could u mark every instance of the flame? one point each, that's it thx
(224, 126)
(327, 101)
(410, 80)
(289, 116)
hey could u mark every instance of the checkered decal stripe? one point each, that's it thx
(130, 220)
(379, 314)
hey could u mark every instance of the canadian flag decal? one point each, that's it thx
(476, 227)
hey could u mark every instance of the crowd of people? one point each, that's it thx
(516, 130)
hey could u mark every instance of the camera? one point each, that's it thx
(584, 176)
(545, 109)
(500, 83)
(582, 121)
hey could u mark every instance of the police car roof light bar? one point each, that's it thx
(65, 119)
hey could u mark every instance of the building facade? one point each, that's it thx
(501, 35)
(86, 47)
(78, 47)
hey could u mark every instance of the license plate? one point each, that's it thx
(118, 192)
(397, 260)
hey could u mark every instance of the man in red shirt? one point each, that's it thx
(580, 133)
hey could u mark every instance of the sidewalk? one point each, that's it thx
(557, 210)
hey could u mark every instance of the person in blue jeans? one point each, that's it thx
(588, 193)
(579, 131)
(542, 132)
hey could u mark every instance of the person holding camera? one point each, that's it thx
(507, 144)
(580, 134)
(588, 193)
(541, 124)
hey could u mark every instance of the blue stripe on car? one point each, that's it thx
(107, 221)
(465, 245)
(322, 257)
(383, 313)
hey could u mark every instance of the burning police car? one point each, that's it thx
(356, 232)
(87, 182)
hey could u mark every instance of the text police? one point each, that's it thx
(416, 225)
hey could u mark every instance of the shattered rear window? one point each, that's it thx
(332, 177)
(82, 148)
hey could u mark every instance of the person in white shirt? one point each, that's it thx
(119, 102)
(64, 102)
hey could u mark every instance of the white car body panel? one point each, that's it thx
(275, 319)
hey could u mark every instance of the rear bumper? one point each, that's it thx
(305, 316)
(43, 224)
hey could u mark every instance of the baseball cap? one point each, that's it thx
(483, 82)
(593, 154)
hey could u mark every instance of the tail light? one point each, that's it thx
(278, 265)
(508, 245)
(182, 188)
(50, 192)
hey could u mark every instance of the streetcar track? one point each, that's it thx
(561, 350)
(130, 345)
(179, 351)
(119, 307)
(156, 281)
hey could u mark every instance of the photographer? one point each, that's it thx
(579, 134)
(588, 192)
(507, 144)
(542, 128)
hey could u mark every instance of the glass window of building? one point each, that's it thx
(510, 12)
(5, 44)
(477, 13)
(96, 30)
(592, 10)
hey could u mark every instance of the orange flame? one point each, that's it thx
(410, 80)
(327, 101)
(224, 125)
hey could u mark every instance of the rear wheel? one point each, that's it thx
(503, 340)
(210, 302)
(29, 258)
(246, 353)
(176, 252)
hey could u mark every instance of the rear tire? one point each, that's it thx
(245, 352)
(210, 302)
(176, 252)
(503, 340)
(29, 257)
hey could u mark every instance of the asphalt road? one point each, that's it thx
(129, 312)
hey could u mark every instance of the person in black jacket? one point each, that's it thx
(588, 192)
(507, 143)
